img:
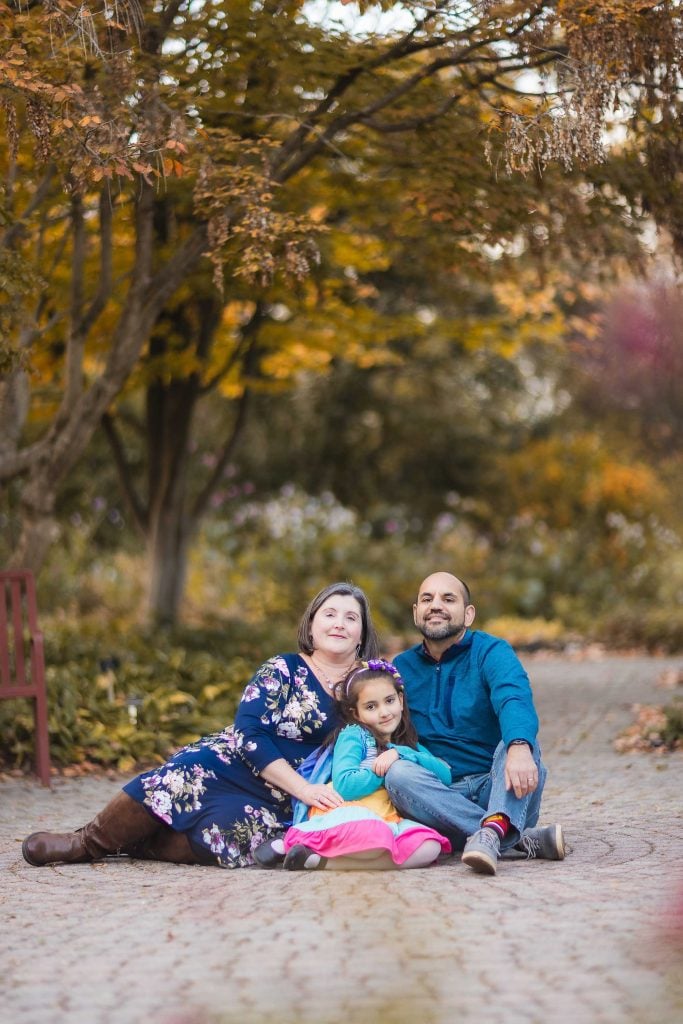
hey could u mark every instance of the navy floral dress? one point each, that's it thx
(212, 790)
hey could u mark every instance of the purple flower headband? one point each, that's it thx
(374, 665)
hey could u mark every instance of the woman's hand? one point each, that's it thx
(281, 775)
(384, 761)
(322, 797)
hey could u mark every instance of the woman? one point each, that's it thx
(218, 799)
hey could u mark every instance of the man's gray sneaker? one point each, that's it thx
(482, 851)
(546, 843)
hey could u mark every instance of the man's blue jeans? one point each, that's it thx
(458, 810)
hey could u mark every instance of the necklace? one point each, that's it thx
(328, 683)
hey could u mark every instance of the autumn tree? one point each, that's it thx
(237, 101)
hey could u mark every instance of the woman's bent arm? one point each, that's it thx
(281, 775)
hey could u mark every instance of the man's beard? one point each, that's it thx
(441, 629)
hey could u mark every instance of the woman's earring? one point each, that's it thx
(359, 648)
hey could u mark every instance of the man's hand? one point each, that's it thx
(384, 761)
(521, 774)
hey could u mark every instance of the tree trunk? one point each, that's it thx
(39, 527)
(169, 414)
(167, 559)
(14, 402)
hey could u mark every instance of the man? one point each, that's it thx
(471, 703)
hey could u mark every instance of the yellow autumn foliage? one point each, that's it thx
(621, 486)
(561, 479)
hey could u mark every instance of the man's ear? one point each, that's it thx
(415, 614)
(470, 612)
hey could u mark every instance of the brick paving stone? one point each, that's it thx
(584, 941)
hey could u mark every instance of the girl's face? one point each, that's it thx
(380, 707)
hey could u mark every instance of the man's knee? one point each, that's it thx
(402, 776)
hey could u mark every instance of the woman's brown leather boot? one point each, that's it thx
(122, 823)
(170, 846)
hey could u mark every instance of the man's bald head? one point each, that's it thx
(443, 582)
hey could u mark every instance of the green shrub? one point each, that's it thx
(672, 734)
(655, 628)
(125, 698)
(526, 633)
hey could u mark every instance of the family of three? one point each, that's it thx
(338, 759)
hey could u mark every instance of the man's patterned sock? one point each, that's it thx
(500, 823)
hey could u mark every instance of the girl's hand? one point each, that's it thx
(384, 761)
(322, 797)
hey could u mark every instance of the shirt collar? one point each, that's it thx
(451, 652)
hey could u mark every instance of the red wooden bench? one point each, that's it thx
(22, 662)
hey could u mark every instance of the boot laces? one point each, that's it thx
(531, 846)
(489, 837)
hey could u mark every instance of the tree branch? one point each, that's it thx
(105, 283)
(75, 342)
(14, 464)
(408, 124)
(153, 35)
(67, 438)
(202, 500)
(138, 511)
(161, 287)
(401, 48)
(251, 335)
(240, 350)
(283, 170)
(38, 196)
(168, 14)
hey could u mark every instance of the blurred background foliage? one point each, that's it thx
(120, 697)
(123, 695)
(479, 371)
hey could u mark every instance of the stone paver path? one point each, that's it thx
(584, 941)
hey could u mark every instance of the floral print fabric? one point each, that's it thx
(212, 789)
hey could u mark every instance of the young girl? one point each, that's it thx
(365, 831)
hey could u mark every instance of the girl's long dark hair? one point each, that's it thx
(346, 694)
